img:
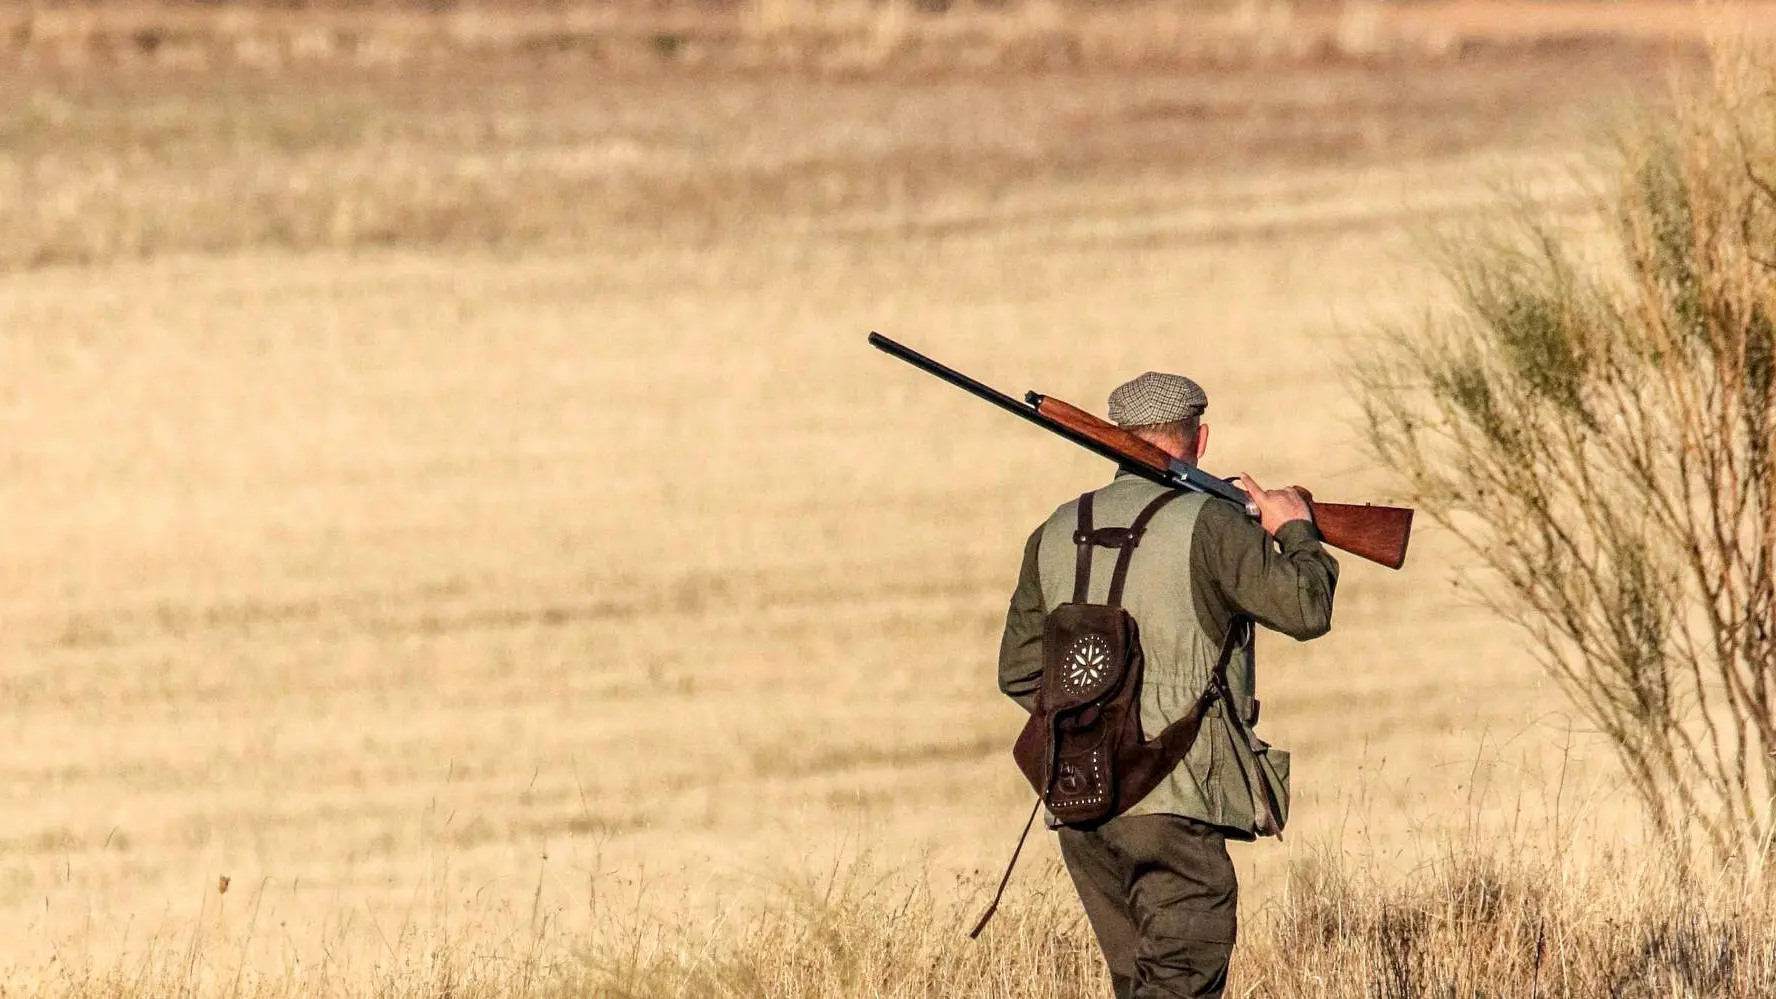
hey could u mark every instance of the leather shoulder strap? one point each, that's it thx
(1180, 735)
(1237, 632)
(1135, 530)
(1082, 569)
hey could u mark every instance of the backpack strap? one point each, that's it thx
(1135, 530)
(1243, 731)
(1180, 735)
(1124, 539)
(1082, 568)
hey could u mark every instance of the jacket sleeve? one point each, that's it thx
(1285, 585)
(1020, 650)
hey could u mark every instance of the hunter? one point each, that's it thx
(1156, 882)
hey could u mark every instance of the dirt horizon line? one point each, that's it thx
(801, 35)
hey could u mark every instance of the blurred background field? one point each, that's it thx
(821, 36)
(445, 490)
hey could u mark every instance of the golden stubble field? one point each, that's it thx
(438, 594)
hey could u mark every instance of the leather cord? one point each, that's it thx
(1006, 879)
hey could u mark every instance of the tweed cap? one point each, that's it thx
(1156, 398)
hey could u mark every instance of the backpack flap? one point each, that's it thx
(1088, 651)
(1084, 654)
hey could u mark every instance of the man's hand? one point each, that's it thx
(1276, 507)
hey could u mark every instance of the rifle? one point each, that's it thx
(1377, 533)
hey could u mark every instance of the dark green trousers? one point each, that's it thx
(1161, 896)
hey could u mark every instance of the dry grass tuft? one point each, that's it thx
(863, 932)
(1476, 919)
(1487, 919)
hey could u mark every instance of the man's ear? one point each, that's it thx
(1202, 440)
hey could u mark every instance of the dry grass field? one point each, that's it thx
(458, 507)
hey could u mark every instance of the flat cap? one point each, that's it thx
(1156, 398)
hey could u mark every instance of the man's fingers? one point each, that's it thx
(1250, 483)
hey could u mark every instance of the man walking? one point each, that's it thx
(1156, 882)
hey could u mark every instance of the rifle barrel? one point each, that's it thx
(1175, 478)
(958, 379)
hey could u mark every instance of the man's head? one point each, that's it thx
(1165, 411)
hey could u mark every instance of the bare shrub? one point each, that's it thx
(1596, 422)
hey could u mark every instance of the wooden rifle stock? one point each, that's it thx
(1377, 533)
(1105, 433)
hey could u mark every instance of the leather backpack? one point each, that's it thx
(1083, 749)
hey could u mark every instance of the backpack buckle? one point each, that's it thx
(1106, 537)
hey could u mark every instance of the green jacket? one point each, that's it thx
(1201, 564)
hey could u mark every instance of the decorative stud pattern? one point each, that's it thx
(1080, 782)
(1086, 662)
